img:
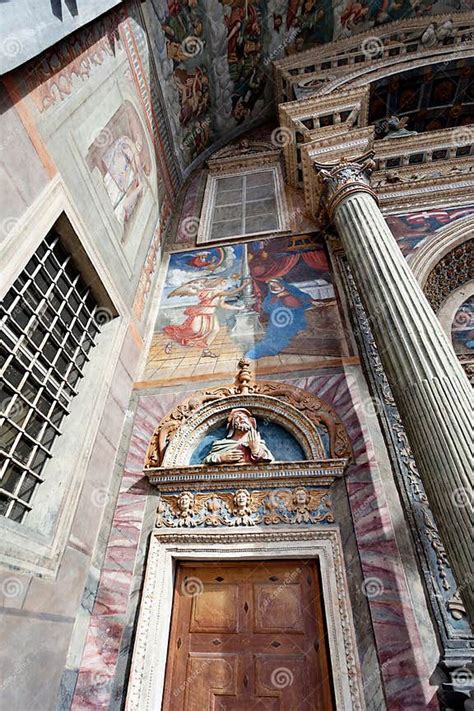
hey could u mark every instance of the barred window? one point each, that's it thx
(50, 320)
(242, 204)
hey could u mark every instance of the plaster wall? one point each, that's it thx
(63, 115)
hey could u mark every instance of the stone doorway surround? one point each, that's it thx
(146, 681)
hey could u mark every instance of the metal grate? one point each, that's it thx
(49, 323)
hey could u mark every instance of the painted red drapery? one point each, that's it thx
(262, 270)
(316, 259)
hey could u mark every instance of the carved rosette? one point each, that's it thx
(336, 182)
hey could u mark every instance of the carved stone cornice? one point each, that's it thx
(400, 43)
(309, 472)
(347, 177)
(243, 155)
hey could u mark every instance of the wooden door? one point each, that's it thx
(248, 637)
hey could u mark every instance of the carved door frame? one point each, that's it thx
(147, 674)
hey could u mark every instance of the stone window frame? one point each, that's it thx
(168, 548)
(207, 210)
(37, 544)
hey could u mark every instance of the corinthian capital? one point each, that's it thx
(338, 181)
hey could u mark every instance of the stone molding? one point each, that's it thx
(167, 547)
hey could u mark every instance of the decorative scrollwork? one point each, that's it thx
(243, 507)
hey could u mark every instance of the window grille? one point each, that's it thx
(50, 321)
(244, 204)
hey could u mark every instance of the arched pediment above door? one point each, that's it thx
(310, 422)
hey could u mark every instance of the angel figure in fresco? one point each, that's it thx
(201, 325)
(285, 306)
(243, 443)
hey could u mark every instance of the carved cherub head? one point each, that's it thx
(186, 502)
(242, 501)
(301, 497)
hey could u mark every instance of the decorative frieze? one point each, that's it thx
(245, 507)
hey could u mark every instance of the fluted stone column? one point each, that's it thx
(429, 386)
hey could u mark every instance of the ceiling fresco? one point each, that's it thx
(215, 56)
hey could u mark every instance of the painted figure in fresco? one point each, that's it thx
(193, 91)
(308, 21)
(202, 325)
(120, 153)
(285, 306)
(244, 55)
(243, 442)
(124, 179)
(183, 22)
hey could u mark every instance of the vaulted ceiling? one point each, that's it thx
(215, 56)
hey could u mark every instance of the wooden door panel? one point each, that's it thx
(208, 676)
(215, 609)
(285, 677)
(278, 608)
(253, 637)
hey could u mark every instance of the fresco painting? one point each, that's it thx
(215, 58)
(272, 300)
(121, 154)
(414, 229)
(462, 329)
